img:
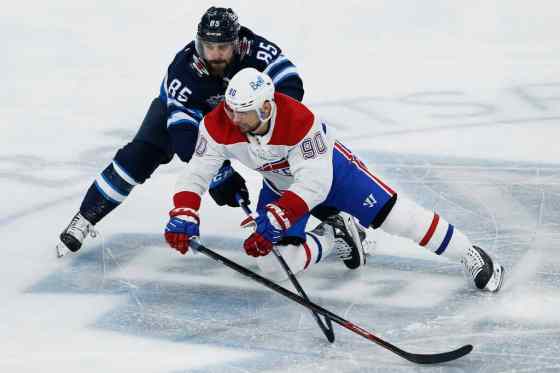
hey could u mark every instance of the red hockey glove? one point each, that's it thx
(181, 228)
(271, 224)
(184, 222)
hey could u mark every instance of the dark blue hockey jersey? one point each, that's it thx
(189, 92)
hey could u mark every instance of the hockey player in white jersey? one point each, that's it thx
(304, 166)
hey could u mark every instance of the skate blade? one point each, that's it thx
(61, 250)
(495, 283)
(353, 229)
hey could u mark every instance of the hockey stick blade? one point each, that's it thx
(412, 357)
(437, 358)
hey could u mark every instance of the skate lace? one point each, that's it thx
(473, 262)
(343, 250)
(81, 226)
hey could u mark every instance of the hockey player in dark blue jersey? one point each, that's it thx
(194, 84)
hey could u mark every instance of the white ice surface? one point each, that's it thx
(455, 103)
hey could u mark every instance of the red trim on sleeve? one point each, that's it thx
(430, 231)
(187, 199)
(293, 204)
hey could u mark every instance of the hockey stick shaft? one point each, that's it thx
(327, 329)
(412, 357)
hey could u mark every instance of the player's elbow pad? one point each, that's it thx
(292, 87)
(183, 140)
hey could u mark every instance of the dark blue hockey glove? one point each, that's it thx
(226, 184)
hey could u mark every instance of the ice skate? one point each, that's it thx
(73, 236)
(349, 238)
(486, 274)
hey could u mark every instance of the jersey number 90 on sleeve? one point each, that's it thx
(312, 146)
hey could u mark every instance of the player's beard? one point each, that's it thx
(245, 128)
(217, 67)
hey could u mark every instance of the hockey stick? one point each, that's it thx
(412, 357)
(326, 329)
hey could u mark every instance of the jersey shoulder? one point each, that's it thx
(256, 51)
(293, 121)
(186, 66)
(183, 83)
(221, 129)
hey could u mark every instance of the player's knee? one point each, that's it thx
(140, 159)
(407, 219)
(294, 255)
(322, 212)
(384, 212)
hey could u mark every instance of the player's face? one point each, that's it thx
(217, 56)
(247, 121)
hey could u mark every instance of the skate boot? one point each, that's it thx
(73, 236)
(349, 238)
(486, 274)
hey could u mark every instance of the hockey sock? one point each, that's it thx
(109, 189)
(427, 228)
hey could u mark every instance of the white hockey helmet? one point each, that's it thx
(248, 90)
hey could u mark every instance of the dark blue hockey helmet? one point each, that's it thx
(218, 25)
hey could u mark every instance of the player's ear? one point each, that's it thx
(266, 109)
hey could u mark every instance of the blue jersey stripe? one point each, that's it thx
(284, 75)
(197, 114)
(181, 122)
(276, 62)
(181, 117)
(278, 68)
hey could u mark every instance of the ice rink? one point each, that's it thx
(454, 104)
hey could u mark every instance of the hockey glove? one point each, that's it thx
(271, 225)
(226, 184)
(182, 227)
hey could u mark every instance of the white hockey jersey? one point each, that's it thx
(295, 155)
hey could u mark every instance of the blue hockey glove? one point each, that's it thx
(226, 184)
